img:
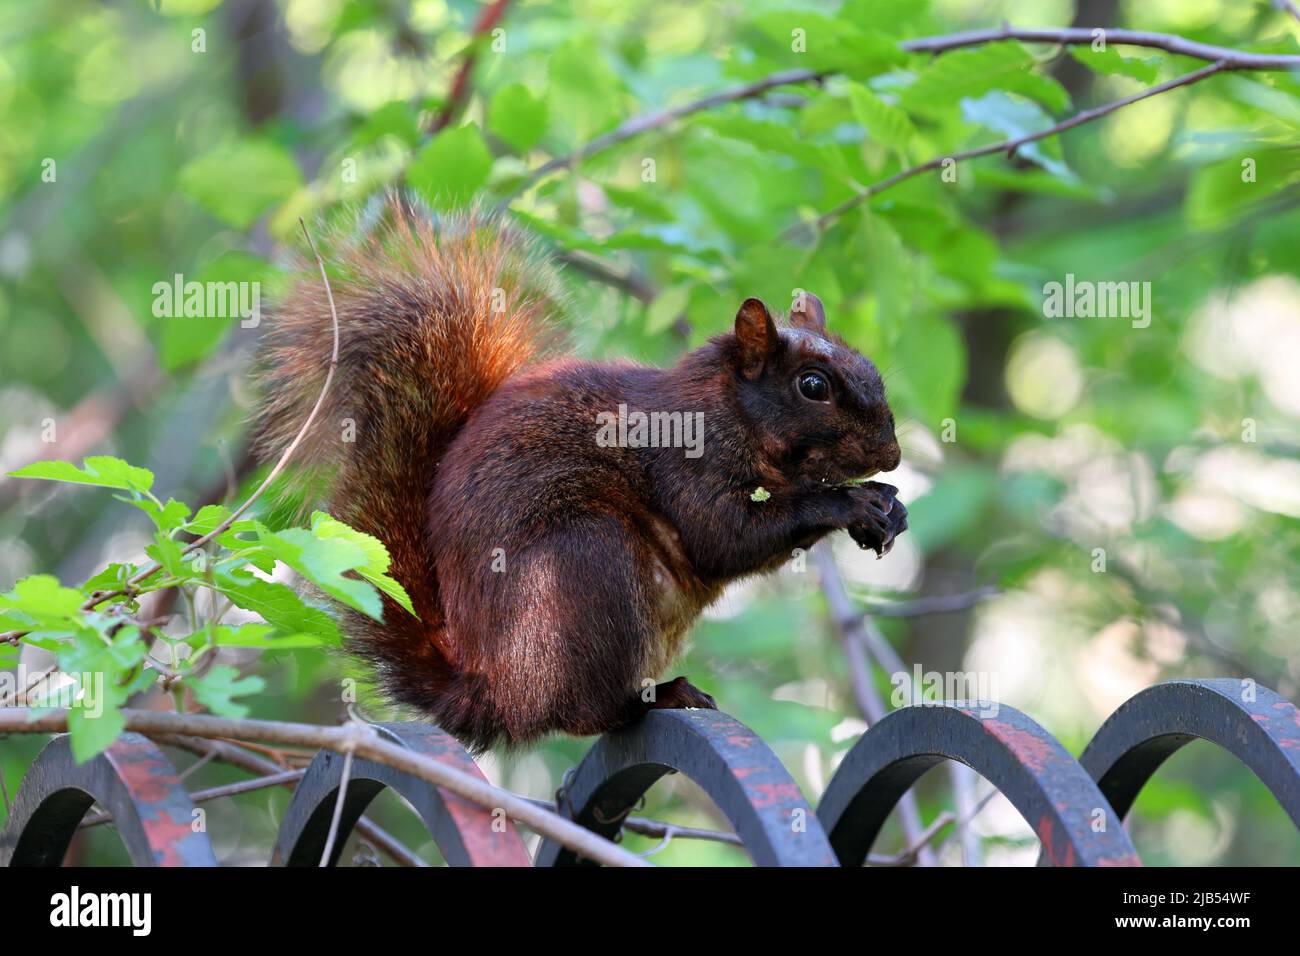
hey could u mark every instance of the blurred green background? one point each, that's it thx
(1029, 441)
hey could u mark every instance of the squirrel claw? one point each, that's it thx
(678, 694)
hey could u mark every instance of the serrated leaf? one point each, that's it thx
(1111, 63)
(886, 124)
(260, 636)
(217, 690)
(973, 72)
(375, 570)
(41, 595)
(1016, 118)
(102, 470)
(279, 605)
(168, 517)
(93, 731)
(168, 553)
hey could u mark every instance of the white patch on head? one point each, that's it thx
(807, 340)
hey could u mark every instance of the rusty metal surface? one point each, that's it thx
(132, 780)
(1263, 733)
(465, 833)
(729, 762)
(1054, 794)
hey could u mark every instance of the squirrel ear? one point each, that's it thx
(808, 313)
(757, 335)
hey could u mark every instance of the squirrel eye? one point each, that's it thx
(814, 387)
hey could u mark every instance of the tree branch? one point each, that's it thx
(1084, 36)
(355, 738)
(655, 120)
(1225, 58)
(487, 20)
(934, 604)
(1008, 146)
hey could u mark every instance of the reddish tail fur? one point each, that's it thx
(431, 322)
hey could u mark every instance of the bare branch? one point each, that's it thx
(1287, 6)
(1085, 36)
(649, 121)
(360, 739)
(236, 755)
(934, 604)
(344, 780)
(1225, 58)
(488, 19)
(848, 624)
(216, 793)
(1005, 146)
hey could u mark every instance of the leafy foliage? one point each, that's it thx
(1030, 441)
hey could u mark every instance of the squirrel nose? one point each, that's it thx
(892, 456)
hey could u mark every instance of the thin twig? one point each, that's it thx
(234, 755)
(1064, 36)
(1084, 36)
(216, 793)
(363, 740)
(344, 780)
(1004, 146)
(645, 122)
(1287, 6)
(488, 19)
(934, 604)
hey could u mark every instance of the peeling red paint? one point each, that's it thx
(1031, 749)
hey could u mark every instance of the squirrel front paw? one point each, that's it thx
(678, 694)
(879, 517)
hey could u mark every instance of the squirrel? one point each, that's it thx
(553, 575)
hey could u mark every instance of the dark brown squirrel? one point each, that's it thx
(554, 575)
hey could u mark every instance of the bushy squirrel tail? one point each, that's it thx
(433, 317)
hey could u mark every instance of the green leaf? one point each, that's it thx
(886, 124)
(259, 636)
(325, 563)
(1016, 118)
(932, 359)
(973, 72)
(240, 181)
(92, 731)
(667, 307)
(102, 470)
(168, 517)
(278, 604)
(1221, 191)
(217, 689)
(167, 552)
(517, 116)
(375, 569)
(1111, 63)
(451, 167)
(41, 595)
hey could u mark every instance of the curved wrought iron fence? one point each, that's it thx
(1076, 807)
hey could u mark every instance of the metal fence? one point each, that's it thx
(1076, 807)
